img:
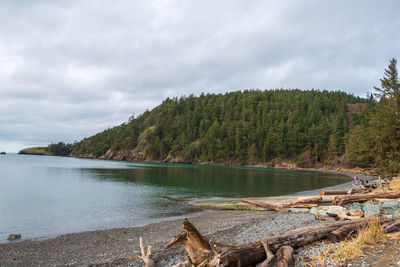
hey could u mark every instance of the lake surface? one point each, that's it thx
(43, 196)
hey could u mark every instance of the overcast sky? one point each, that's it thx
(69, 69)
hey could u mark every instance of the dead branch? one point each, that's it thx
(146, 257)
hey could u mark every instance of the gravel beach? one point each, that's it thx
(118, 247)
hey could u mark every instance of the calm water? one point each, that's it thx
(44, 196)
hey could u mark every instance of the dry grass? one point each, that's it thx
(370, 236)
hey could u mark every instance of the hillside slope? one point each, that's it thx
(234, 128)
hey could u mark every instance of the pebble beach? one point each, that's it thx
(118, 247)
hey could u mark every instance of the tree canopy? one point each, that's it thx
(375, 142)
(244, 127)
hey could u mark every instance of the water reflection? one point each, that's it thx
(47, 196)
(219, 181)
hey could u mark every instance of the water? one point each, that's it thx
(44, 196)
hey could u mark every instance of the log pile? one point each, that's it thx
(272, 251)
(278, 250)
(343, 200)
(324, 200)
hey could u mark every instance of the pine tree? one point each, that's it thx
(390, 85)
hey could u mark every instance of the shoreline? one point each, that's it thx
(118, 246)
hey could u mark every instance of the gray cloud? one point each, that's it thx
(69, 69)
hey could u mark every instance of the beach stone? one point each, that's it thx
(371, 209)
(328, 211)
(354, 206)
(358, 213)
(14, 236)
(335, 210)
(392, 206)
(318, 211)
(298, 209)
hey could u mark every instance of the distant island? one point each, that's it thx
(2, 153)
(306, 129)
(35, 151)
(59, 149)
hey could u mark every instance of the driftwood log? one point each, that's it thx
(283, 257)
(300, 203)
(264, 205)
(203, 252)
(342, 192)
(343, 200)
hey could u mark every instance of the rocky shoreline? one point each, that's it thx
(117, 247)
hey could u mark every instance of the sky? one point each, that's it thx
(69, 69)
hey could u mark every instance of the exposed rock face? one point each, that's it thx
(134, 154)
(371, 209)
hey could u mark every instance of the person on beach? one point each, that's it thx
(356, 180)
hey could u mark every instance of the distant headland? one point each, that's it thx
(36, 151)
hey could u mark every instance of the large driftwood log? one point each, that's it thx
(264, 205)
(283, 257)
(389, 225)
(343, 200)
(300, 203)
(206, 253)
(304, 202)
(342, 192)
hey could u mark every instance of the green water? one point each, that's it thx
(43, 196)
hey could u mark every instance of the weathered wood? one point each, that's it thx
(264, 205)
(319, 217)
(252, 253)
(146, 257)
(342, 192)
(283, 258)
(393, 226)
(343, 200)
(301, 205)
(343, 232)
(197, 247)
(304, 202)
(314, 200)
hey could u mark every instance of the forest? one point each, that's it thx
(311, 128)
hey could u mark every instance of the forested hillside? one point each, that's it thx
(375, 141)
(247, 127)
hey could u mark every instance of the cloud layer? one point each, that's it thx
(69, 69)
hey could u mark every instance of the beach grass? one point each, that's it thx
(369, 236)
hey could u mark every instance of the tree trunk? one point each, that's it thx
(283, 257)
(264, 205)
(342, 192)
(343, 200)
(300, 203)
(212, 254)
